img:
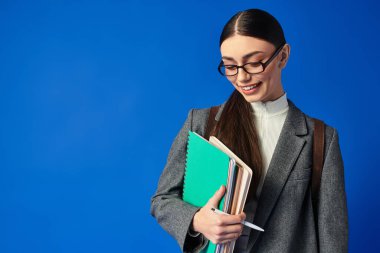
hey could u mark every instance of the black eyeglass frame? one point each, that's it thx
(263, 64)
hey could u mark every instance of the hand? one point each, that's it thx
(218, 228)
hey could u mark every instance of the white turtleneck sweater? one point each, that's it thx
(269, 118)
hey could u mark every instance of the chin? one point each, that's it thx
(251, 99)
(257, 96)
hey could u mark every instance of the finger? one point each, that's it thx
(224, 220)
(214, 200)
(228, 238)
(243, 216)
(232, 229)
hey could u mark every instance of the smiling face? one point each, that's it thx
(265, 86)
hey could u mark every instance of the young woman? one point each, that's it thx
(275, 138)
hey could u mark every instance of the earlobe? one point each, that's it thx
(281, 61)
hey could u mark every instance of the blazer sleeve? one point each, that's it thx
(167, 206)
(332, 208)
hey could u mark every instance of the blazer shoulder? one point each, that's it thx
(199, 118)
(330, 131)
(300, 118)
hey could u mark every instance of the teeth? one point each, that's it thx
(250, 87)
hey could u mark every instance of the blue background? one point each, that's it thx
(92, 93)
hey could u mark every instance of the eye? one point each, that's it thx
(253, 65)
(230, 67)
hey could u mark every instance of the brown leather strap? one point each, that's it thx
(318, 153)
(211, 121)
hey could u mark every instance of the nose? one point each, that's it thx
(242, 75)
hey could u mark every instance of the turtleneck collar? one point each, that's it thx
(271, 107)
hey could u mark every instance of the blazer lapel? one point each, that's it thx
(285, 154)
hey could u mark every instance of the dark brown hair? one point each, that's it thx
(236, 128)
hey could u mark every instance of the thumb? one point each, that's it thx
(214, 200)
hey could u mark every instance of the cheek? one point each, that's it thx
(262, 77)
(270, 74)
(266, 77)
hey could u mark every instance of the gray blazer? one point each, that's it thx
(284, 208)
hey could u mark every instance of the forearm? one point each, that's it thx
(175, 216)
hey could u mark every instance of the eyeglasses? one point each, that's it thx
(250, 67)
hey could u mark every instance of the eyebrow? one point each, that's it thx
(244, 57)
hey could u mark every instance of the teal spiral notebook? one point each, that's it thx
(206, 170)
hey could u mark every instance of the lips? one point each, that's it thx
(249, 89)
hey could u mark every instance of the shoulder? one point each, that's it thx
(198, 118)
(201, 114)
(331, 132)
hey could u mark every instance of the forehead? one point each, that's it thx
(238, 45)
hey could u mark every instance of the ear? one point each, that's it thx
(285, 53)
(283, 56)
